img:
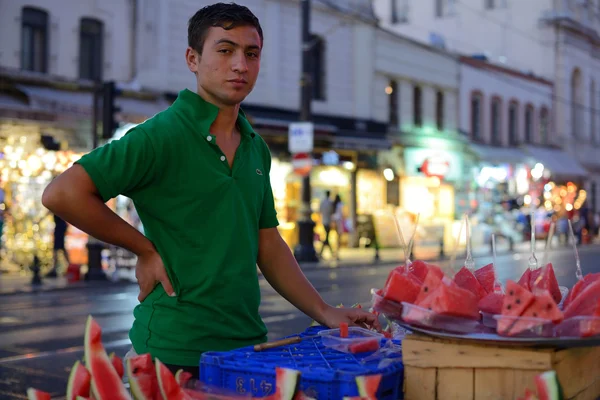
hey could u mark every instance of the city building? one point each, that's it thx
(557, 41)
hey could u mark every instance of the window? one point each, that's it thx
(439, 8)
(513, 123)
(476, 116)
(529, 124)
(495, 121)
(90, 49)
(394, 11)
(576, 103)
(392, 92)
(593, 114)
(34, 40)
(318, 59)
(490, 4)
(544, 125)
(439, 110)
(417, 107)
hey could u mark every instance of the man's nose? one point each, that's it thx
(240, 64)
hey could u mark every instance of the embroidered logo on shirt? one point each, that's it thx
(258, 171)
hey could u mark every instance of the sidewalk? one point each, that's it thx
(12, 283)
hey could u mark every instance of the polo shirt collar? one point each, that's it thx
(195, 108)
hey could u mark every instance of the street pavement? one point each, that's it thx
(41, 332)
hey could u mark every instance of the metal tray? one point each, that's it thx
(494, 338)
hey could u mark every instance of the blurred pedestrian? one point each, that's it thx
(338, 221)
(326, 210)
(60, 231)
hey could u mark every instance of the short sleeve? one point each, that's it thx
(268, 214)
(121, 166)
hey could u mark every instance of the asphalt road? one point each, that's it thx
(41, 334)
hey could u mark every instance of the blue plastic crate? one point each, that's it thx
(326, 374)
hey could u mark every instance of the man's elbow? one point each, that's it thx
(51, 197)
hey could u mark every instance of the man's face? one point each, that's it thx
(228, 67)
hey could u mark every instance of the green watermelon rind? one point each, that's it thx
(77, 367)
(368, 385)
(35, 394)
(109, 373)
(548, 386)
(134, 386)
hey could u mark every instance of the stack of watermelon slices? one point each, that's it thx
(101, 378)
(422, 293)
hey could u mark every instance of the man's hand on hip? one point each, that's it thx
(150, 271)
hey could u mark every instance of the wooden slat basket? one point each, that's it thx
(436, 369)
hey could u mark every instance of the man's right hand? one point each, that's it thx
(149, 271)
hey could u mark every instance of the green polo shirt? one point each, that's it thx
(203, 217)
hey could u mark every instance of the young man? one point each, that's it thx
(199, 177)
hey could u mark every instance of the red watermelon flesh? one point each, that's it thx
(79, 382)
(465, 279)
(516, 300)
(455, 301)
(525, 279)
(368, 386)
(545, 279)
(34, 394)
(486, 277)
(142, 377)
(420, 269)
(544, 307)
(585, 302)
(432, 282)
(579, 286)
(402, 287)
(492, 303)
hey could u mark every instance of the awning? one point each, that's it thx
(140, 109)
(361, 143)
(558, 162)
(499, 155)
(58, 101)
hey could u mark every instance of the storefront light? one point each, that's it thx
(569, 207)
(388, 174)
(349, 165)
(538, 171)
(527, 199)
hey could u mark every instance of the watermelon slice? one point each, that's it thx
(142, 377)
(286, 384)
(465, 279)
(525, 279)
(548, 386)
(492, 303)
(545, 279)
(420, 269)
(182, 377)
(544, 307)
(106, 383)
(486, 277)
(117, 363)
(167, 384)
(529, 395)
(432, 282)
(453, 300)
(79, 382)
(516, 301)
(402, 287)
(580, 286)
(585, 302)
(364, 346)
(34, 394)
(368, 386)
(344, 330)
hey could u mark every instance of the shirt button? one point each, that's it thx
(222, 158)
(209, 138)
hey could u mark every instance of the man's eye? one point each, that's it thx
(253, 55)
(224, 51)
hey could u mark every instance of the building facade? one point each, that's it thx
(556, 40)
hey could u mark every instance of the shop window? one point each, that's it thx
(490, 4)
(593, 111)
(318, 68)
(439, 8)
(34, 40)
(439, 110)
(393, 192)
(417, 107)
(544, 123)
(392, 91)
(91, 49)
(394, 11)
(576, 103)
(529, 120)
(476, 116)
(496, 138)
(513, 123)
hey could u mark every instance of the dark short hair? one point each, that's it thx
(223, 15)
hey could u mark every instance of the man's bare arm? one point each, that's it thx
(74, 197)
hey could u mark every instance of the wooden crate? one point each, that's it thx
(437, 369)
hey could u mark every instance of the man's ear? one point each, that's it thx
(192, 58)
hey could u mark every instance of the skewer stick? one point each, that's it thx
(469, 263)
(412, 238)
(456, 244)
(533, 262)
(578, 272)
(497, 285)
(548, 243)
(401, 240)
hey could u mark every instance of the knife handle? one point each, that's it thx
(277, 343)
